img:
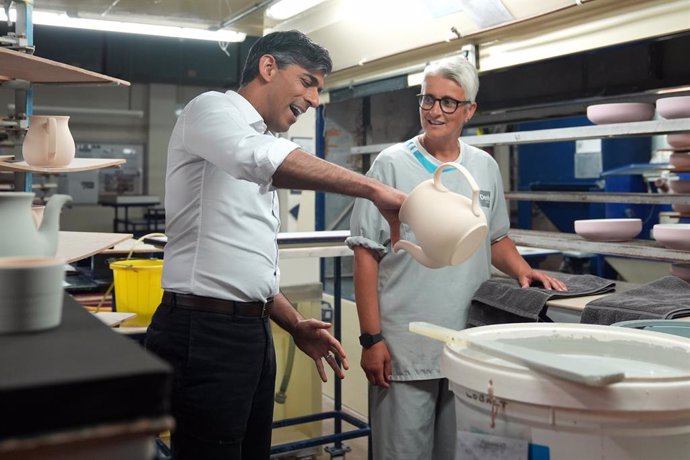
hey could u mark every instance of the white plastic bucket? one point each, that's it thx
(645, 416)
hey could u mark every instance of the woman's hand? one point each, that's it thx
(534, 276)
(376, 363)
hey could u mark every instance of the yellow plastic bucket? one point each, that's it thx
(137, 288)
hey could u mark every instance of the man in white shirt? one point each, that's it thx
(221, 274)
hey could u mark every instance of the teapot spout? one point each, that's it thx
(418, 254)
(51, 222)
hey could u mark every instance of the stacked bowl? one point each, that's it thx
(672, 108)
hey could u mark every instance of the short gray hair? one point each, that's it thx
(458, 69)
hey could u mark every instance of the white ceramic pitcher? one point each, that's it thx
(48, 143)
(449, 227)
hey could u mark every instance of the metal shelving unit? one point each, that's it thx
(20, 70)
(640, 128)
(644, 249)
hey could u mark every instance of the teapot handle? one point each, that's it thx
(51, 128)
(476, 209)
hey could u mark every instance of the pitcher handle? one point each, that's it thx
(51, 128)
(476, 208)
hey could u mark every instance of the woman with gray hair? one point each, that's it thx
(412, 410)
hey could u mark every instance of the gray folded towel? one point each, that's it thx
(501, 300)
(665, 298)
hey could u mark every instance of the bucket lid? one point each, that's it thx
(656, 366)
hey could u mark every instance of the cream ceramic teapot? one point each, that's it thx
(449, 227)
(48, 143)
(18, 233)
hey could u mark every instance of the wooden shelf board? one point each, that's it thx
(644, 249)
(78, 164)
(601, 197)
(6, 157)
(74, 246)
(22, 66)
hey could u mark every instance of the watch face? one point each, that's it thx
(367, 340)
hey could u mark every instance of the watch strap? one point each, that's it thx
(368, 340)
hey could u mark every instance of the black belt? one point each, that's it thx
(213, 305)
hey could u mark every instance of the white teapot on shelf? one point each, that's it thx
(449, 227)
(19, 236)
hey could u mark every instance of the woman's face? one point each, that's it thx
(435, 122)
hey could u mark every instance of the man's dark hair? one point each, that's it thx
(292, 47)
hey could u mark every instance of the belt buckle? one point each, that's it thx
(265, 310)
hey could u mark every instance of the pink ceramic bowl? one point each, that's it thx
(608, 229)
(680, 160)
(682, 271)
(681, 208)
(673, 236)
(674, 107)
(620, 112)
(680, 186)
(678, 140)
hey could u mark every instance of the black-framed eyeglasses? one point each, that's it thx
(448, 104)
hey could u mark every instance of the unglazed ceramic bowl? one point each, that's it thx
(678, 140)
(682, 271)
(608, 229)
(680, 160)
(674, 107)
(680, 186)
(681, 208)
(673, 236)
(622, 112)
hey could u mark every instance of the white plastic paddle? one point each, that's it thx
(563, 366)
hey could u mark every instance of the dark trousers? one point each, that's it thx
(224, 379)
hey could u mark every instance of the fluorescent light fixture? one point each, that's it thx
(415, 79)
(61, 19)
(674, 90)
(284, 9)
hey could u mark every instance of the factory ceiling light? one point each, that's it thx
(284, 9)
(61, 19)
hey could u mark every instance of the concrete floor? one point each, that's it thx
(358, 446)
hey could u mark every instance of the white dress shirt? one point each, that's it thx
(221, 210)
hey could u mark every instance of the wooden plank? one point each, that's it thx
(73, 246)
(22, 66)
(645, 249)
(126, 246)
(78, 164)
(602, 197)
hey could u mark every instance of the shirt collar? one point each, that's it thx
(248, 112)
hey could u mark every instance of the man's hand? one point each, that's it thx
(311, 337)
(388, 202)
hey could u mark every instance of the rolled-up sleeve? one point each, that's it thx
(216, 131)
(368, 228)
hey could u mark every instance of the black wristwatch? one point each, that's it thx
(368, 340)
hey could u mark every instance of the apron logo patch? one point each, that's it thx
(485, 198)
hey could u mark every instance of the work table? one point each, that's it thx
(65, 387)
